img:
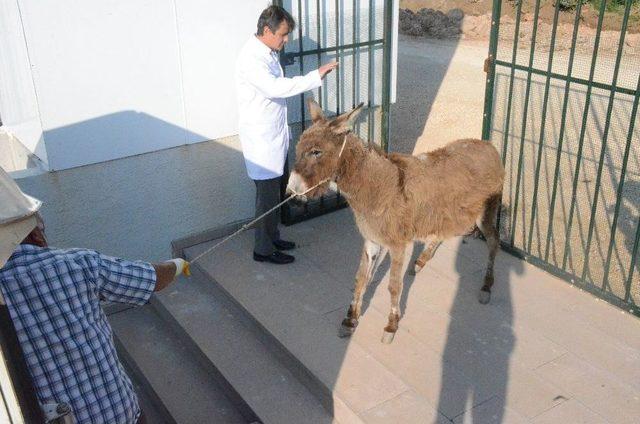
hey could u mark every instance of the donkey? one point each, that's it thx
(398, 199)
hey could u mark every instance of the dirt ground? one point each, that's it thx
(612, 21)
(471, 19)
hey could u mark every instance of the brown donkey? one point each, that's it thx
(397, 199)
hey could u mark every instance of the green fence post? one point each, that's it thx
(576, 174)
(563, 120)
(524, 121)
(614, 224)
(491, 69)
(386, 74)
(605, 136)
(543, 122)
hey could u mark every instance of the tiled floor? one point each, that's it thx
(542, 351)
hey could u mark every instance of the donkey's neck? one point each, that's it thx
(366, 177)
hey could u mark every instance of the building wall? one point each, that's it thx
(137, 110)
(98, 69)
(18, 102)
(80, 78)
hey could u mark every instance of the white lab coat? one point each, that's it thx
(262, 90)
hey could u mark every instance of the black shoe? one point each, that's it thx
(284, 245)
(275, 258)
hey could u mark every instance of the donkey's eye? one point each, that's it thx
(315, 153)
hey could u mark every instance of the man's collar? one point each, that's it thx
(263, 48)
(26, 248)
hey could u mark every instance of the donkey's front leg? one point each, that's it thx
(372, 255)
(395, 289)
(430, 249)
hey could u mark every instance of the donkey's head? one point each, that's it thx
(318, 151)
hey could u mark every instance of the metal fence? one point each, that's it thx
(357, 33)
(561, 105)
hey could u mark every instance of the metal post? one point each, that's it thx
(543, 122)
(585, 114)
(386, 74)
(614, 224)
(605, 136)
(491, 70)
(563, 119)
(371, 72)
(524, 120)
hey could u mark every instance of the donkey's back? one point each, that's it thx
(448, 188)
(462, 167)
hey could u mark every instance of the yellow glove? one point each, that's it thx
(182, 266)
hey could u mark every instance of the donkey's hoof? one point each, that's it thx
(347, 328)
(387, 337)
(345, 331)
(484, 296)
(415, 270)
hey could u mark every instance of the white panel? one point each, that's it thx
(18, 104)
(107, 77)
(211, 35)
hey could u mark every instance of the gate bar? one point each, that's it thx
(304, 123)
(490, 84)
(524, 120)
(493, 52)
(608, 87)
(543, 122)
(386, 75)
(605, 137)
(565, 103)
(356, 27)
(585, 114)
(371, 70)
(623, 173)
(318, 34)
(337, 5)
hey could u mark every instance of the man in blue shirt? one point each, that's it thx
(53, 297)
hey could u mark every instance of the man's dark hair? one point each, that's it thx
(272, 17)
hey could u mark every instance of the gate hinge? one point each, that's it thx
(487, 63)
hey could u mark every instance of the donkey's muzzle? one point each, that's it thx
(297, 186)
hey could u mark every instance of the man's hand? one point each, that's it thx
(326, 68)
(167, 271)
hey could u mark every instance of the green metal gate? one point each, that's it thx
(358, 34)
(561, 104)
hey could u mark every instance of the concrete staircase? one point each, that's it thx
(196, 356)
(242, 340)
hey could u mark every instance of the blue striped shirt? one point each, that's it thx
(53, 298)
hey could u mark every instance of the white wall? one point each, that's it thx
(117, 78)
(85, 82)
(211, 34)
(18, 103)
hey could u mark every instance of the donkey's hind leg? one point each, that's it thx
(428, 252)
(487, 225)
(395, 290)
(372, 256)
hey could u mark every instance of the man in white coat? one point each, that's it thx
(262, 90)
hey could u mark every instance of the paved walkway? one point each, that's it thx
(541, 352)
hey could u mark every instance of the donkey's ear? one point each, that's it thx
(315, 110)
(343, 123)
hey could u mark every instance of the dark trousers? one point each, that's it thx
(267, 196)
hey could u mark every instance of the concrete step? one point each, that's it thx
(220, 333)
(453, 359)
(155, 410)
(288, 306)
(173, 385)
